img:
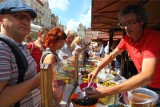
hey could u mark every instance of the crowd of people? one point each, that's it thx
(55, 45)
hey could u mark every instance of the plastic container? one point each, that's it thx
(108, 100)
(142, 97)
(58, 88)
(104, 77)
(84, 85)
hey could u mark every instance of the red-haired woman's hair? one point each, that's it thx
(53, 36)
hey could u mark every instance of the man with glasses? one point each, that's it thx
(15, 20)
(143, 47)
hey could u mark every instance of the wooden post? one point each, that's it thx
(76, 69)
(46, 85)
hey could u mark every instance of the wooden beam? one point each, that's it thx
(46, 85)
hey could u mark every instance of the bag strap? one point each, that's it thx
(20, 60)
(45, 53)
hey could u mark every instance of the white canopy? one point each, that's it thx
(35, 28)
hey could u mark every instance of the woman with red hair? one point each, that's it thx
(55, 40)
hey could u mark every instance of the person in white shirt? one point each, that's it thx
(65, 51)
(101, 50)
(106, 49)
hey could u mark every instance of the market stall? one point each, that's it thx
(75, 76)
(73, 81)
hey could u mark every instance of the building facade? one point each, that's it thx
(43, 11)
(54, 21)
(86, 33)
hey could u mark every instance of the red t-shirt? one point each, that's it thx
(36, 53)
(147, 47)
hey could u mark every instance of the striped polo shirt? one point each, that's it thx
(9, 72)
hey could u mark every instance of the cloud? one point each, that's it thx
(72, 25)
(71, 21)
(84, 19)
(59, 4)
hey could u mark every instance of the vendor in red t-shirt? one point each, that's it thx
(37, 47)
(143, 46)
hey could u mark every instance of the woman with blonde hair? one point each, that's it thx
(77, 45)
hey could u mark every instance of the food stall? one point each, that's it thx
(104, 18)
(75, 78)
(66, 89)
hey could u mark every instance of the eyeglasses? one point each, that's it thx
(19, 16)
(122, 25)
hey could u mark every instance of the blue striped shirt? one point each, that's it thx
(9, 72)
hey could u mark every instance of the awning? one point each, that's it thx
(105, 36)
(104, 14)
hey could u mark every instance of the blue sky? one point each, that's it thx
(72, 12)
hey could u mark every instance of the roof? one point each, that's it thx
(104, 14)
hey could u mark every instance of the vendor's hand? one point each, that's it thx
(99, 92)
(92, 76)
